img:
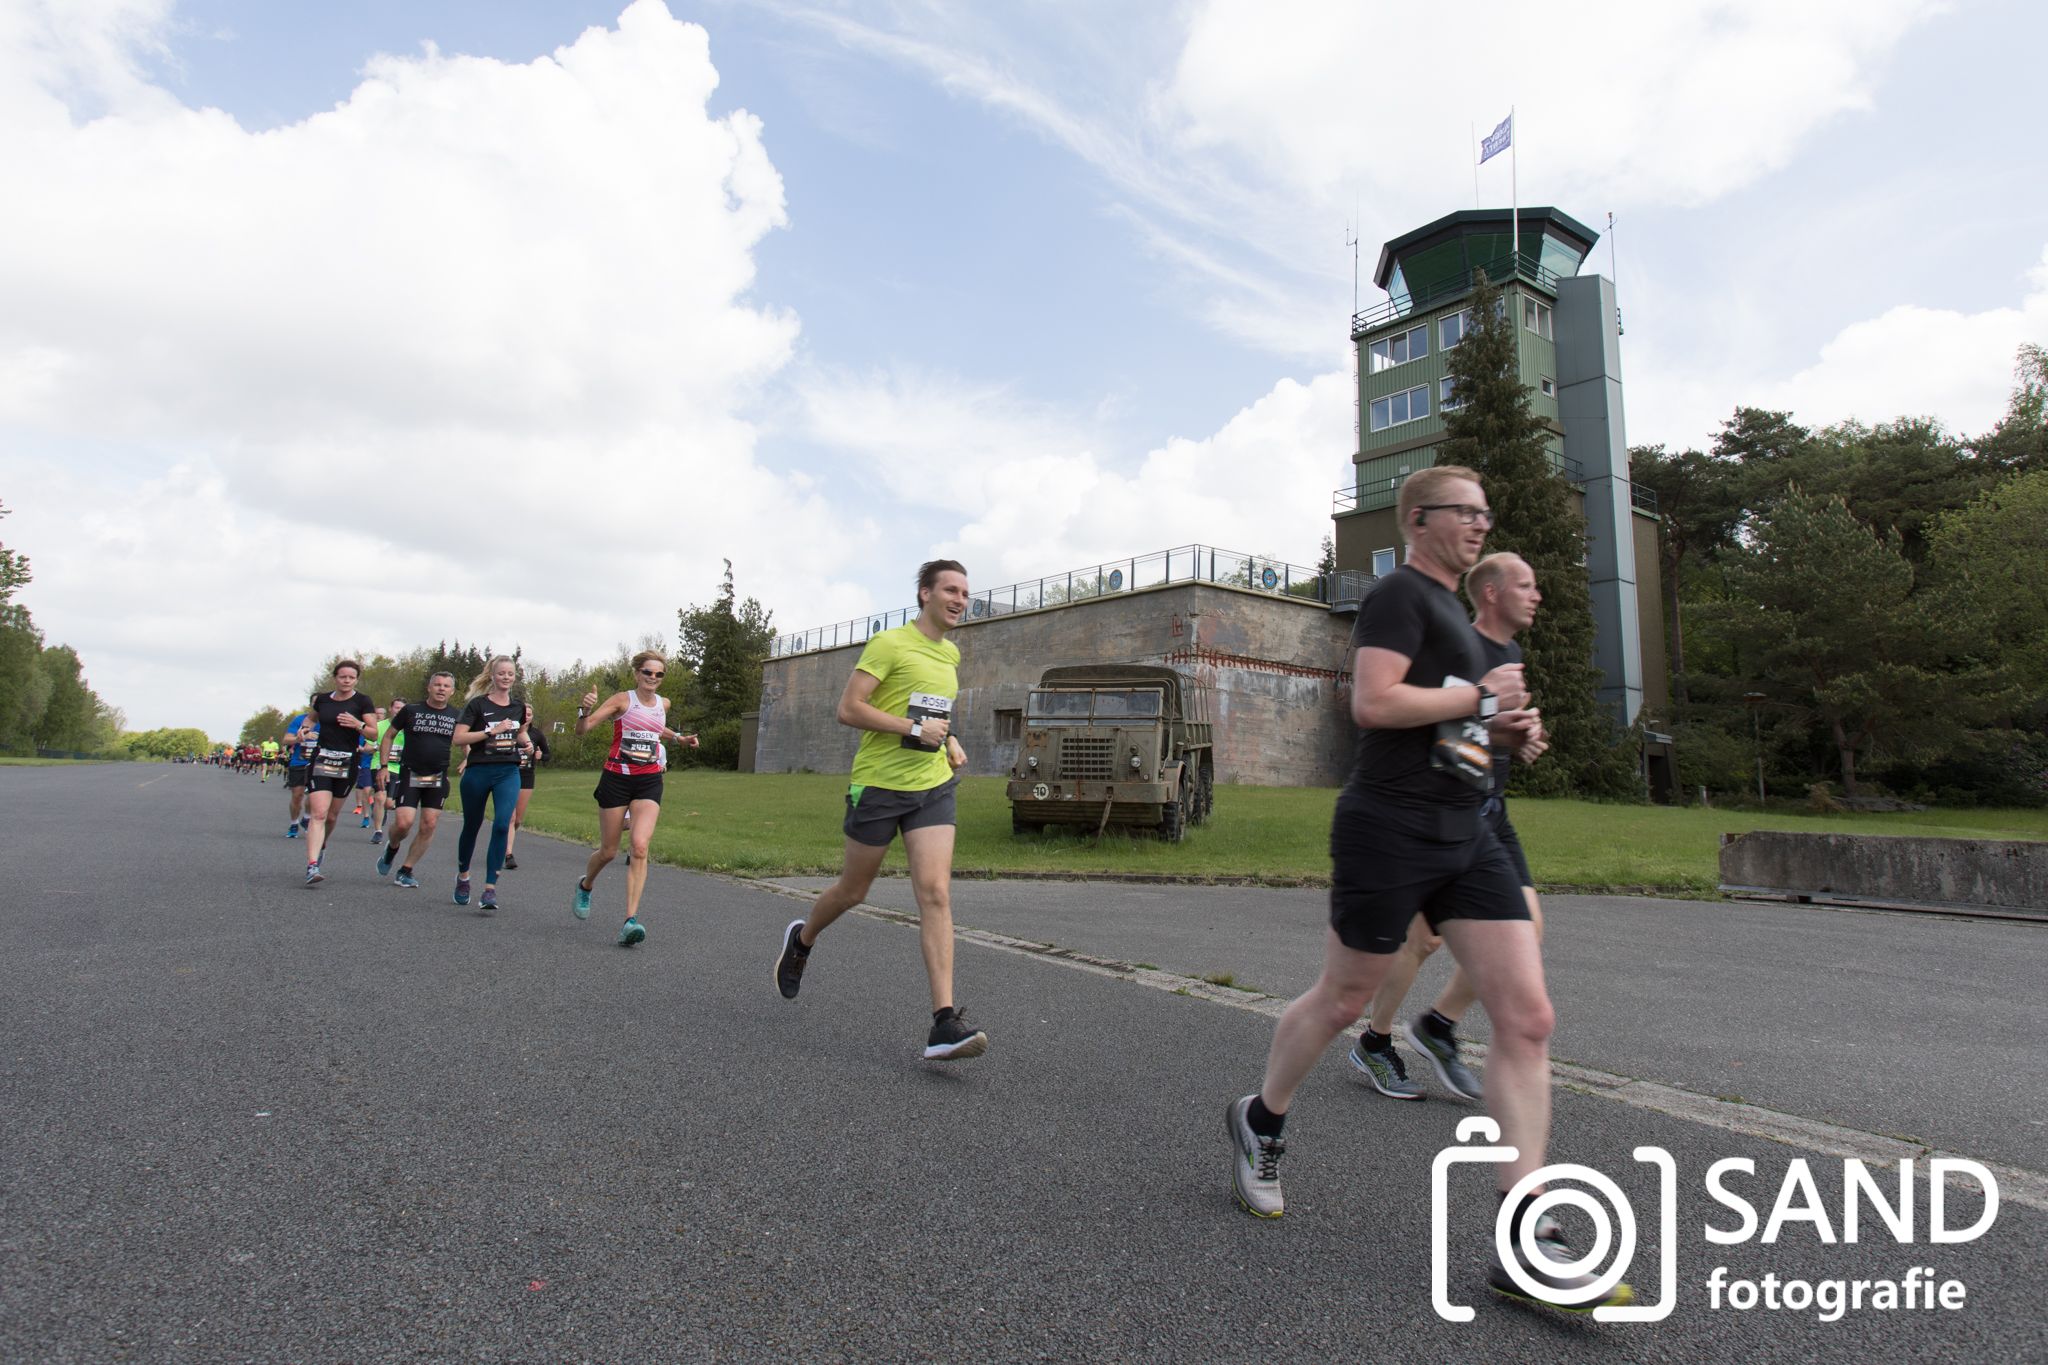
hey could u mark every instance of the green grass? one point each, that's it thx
(7, 761)
(788, 824)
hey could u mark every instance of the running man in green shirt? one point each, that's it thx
(901, 698)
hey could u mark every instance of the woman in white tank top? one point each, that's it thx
(630, 783)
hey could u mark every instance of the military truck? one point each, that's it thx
(1124, 745)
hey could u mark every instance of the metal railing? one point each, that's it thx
(1645, 498)
(1373, 494)
(1498, 271)
(1182, 564)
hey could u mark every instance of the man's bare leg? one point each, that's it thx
(931, 881)
(1458, 996)
(1329, 1007)
(1505, 965)
(856, 875)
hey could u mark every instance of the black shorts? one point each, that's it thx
(874, 814)
(333, 786)
(1391, 863)
(422, 798)
(617, 789)
(1496, 812)
(526, 780)
(295, 777)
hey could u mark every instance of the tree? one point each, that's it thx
(1326, 561)
(265, 724)
(1700, 506)
(1495, 431)
(71, 710)
(1824, 609)
(1990, 561)
(723, 645)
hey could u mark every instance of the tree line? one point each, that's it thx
(45, 700)
(1863, 607)
(714, 678)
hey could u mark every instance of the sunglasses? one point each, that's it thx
(650, 673)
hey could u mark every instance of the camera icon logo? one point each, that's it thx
(1613, 1231)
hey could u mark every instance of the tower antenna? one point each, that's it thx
(1614, 273)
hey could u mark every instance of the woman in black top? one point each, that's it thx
(535, 752)
(493, 728)
(340, 716)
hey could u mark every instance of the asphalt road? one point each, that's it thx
(1929, 1028)
(248, 1121)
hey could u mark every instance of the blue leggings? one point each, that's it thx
(500, 783)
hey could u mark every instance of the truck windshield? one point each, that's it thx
(1076, 708)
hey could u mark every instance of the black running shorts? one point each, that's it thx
(294, 777)
(1496, 811)
(333, 786)
(1391, 863)
(421, 798)
(526, 780)
(874, 814)
(617, 789)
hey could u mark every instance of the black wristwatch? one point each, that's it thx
(1489, 704)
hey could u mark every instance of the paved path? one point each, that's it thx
(248, 1121)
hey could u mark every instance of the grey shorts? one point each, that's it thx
(874, 814)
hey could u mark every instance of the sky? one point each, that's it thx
(351, 328)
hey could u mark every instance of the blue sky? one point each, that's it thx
(354, 327)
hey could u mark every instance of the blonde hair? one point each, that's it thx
(1488, 572)
(1422, 487)
(481, 683)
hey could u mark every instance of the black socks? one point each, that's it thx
(1262, 1120)
(938, 1016)
(1436, 1024)
(1375, 1042)
(405, 872)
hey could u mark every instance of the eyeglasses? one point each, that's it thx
(650, 673)
(1467, 513)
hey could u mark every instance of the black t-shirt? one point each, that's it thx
(338, 743)
(539, 752)
(1495, 654)
(1414, 615)
(502, 747)
(429, 737)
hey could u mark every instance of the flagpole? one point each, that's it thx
(1514, 185)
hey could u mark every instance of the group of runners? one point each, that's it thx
(1422, 848)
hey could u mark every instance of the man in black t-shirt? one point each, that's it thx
(342, 715)
(1504, 599)
(420, 781)
(1408, 837)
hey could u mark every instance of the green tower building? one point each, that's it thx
(1570, 348)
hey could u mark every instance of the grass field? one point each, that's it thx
(770, 824)
(9, 761)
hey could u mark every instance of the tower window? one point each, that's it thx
(1446, 395)
(1382, 563)
(1397, 408)
(1548, 385)
(1536, 317)
(1398, 349)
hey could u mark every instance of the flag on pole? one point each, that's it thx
(1498, 141)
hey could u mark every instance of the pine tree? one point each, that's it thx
(723, 645)
(1494, 431)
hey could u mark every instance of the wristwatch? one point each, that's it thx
(917, 729)
(1489, 704)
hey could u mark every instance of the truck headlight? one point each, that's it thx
(1135, 764)
(1031, 760)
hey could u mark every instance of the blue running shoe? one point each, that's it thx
(631, 932)
(366, 822)
(291, 831)
(462, 891)
(405, 879)
(384, 863)
(314, 875)
(489, 903)
(581, 907)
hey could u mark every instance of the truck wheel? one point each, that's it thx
(1205, 795)
(1173, 825)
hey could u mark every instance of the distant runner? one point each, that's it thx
(427, 733)
(342, 716)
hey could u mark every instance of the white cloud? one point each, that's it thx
(469, 354)
(1657, 103)
(1032, 495)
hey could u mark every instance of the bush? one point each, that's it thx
(718, 746)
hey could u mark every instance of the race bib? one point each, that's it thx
(1462, 748)
(927, 706)
(425, 782)
(333, 763)
(505, 742)
(640, 746)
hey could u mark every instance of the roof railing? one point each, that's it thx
(1498, 271)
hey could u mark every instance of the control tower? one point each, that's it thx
(1570, 348)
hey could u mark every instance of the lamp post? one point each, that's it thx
(1755, 701)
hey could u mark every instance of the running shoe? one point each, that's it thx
(1564, 1292)
(511, 863)
(789, 963)
(488, 904)
(376, 838)
(632, 932)
(953, 1039)
(357, 811)
(384, 863)
(305, 822)
(462, 891)
(405, 879)
(1254, 1163)
(314, 875)
(366, 822)
(580, 907)
(1384, 1068)
(291, 831)
(1441, 1052)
